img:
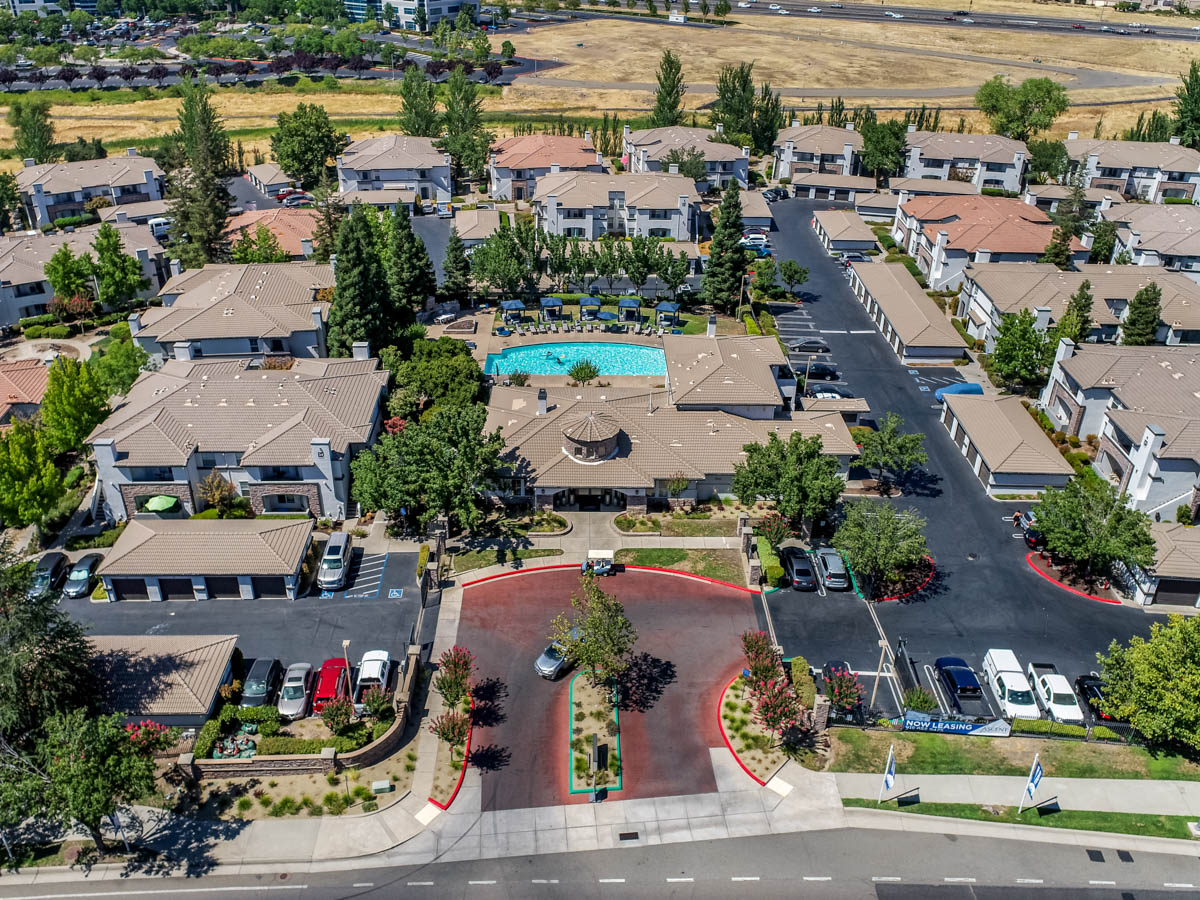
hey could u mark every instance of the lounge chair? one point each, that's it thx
(660, 331)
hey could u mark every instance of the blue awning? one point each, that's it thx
(549, 302)
(511, 304)
(667, 307)
(629, 303)
(589, 301)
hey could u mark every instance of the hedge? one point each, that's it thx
(962, 331)
(53, 332)
(229, 719)
(772, 568)
(105, 538)
(210, 513)
(997, 192)
(1177, 200)
(46, 319)
(802, 681)
(422, 560)
(751, 325)
(1044, 726)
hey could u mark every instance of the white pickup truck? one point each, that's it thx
(373, 672)
(1002, 671)
(1054, 694)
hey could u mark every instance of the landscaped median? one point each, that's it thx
(594, 722)
(453, 726)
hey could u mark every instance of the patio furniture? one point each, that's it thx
(660, 331)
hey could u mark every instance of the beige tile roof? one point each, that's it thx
(290, 226)
(754, 205)
(381, 197)
(268, 416)
(22, 381)
(162, 674)
(23, 255)
(823, 139)
(1181, 435)
(476, 224)
(392, 151)
(62, 178)
(998, 224)
(915, 317)
(952, 145)
(220, 300)
(147, 209)
(843, 225)
(1063, 191)
(668, 442)
(726, 371)
(933, 187)
(841, 405)
(877, 201)
(1172, 230)
(1177, 550)
(1159, 381)
(541, 151)
(833, 180)
(1006, 436)
(1013, 287)
(180, 547)
(269, 173)
(658, 142)
(1135, 154)
(646, 190)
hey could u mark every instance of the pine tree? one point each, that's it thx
(1187, 107)
(456, 269)
(199, 200)
(668, 99)
(418, 105)
(361, 307)
(1058, 251)
(118, 274)
(1140, 325)
(1080, 308)
(767, 119)
(722, 286)
(74, 404)
(410, 275)
(329, 213)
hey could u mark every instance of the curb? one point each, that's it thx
(916, 590)
(725, 737)
(571, 750)
(466, 759)
(1066, 587)
(467, 584)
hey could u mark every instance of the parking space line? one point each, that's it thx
(368, 578)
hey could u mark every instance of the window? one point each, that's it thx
(150, 473)
(661, 213)
(572, 214)
(253, 345)
(208, 461)
(659, 232)
(281, 473)
(573, 232)
(29, 290)
(995, 167)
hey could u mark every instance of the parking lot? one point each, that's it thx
(983, 594)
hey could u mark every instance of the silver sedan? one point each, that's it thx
(296, 693)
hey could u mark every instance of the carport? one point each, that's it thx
(514, 311)
(190, 559)
(630, 309)
(588, 308)
(1174, 580)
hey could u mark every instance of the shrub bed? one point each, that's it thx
(1044, 726)
(105, 538)
(772, 568)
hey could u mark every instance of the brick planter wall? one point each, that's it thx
(301, 489)
(131, 491)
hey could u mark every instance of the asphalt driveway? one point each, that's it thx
(687, 651)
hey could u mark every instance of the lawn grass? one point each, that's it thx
(637, 524)
(673, 527)
(720, 565)
(495, 556)
(1085, 820)
(943, 754)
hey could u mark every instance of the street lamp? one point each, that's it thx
(346, 659)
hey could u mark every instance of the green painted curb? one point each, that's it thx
(571, 753)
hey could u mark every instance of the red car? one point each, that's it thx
(1079, 27)
(333, 681)
(285, 193)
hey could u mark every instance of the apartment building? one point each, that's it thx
(984, 160)
(589, 206)
(61, 190)
(283, 438)
(816, 148)
(1142, 170)
(516, 163)
(395, 161)
(1157, 235)
(646, 151)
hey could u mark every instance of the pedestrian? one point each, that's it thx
(1017, 519)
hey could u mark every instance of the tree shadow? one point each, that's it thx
(174, 844)
(920, 483)
(490, 758)
(489, 696)
(931, 591)
(643, 683)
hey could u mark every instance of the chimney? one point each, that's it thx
(911, 128)
(1064, 350)
(795, 123)
(673, 169)
(492, 159)
(143, 256)
(131, 151)
(542, 392)
(643, 160)
(1072, 135)
(626, 132)
(306, 248)
(600, 159)
(745, 153)
(555, 168)
(847, 158)
(360, 350)
(333, 263)
(587, 136)
(1106, 202)
(943, 238)
(712, 327)
(720, 128)
(446, 160)
(1174, 140)
(183, 350)
(982, 256)
(319, 328)
(1042, 315)
(1144, 460)
(30, 162)
(135, 322)
(176, 268)
(121, 216)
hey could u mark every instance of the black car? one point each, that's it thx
(799, 569)
(49, 573)
(809, 345)
(830, 391)
(262, 683)
(820, 372)
(959, 679)
(772, 195)
(1091, 691)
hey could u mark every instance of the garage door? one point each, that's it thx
(130, 589)
(1177, 592)
(223, 587)
(176, 588)
(268, 586)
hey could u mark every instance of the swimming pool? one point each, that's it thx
(556, 357)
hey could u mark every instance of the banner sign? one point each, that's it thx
(919, 721)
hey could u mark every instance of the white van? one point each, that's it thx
(335, 562)
(159, 226)
(1010, 686)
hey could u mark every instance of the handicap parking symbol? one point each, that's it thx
(326, 595)
(395, 593)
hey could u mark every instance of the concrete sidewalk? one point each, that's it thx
(1168, 798)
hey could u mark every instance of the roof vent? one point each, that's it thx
(250, 402)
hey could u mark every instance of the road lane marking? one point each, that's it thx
(1029, 881)
(1103, 883)
(818, 878)
(959, 880)
(1178, 884)
(679, 880)
(864, 331)
(481, 882)
(744, 878)
(420, 884)
(833, 331)
(210, 890)
(545, 881)
(611, 880)
(363, 884)
(885, 878)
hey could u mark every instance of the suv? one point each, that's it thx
(959, 678)
(333, 683)
(1012, 690)
(799, 568)
(1027, 522)
(335, 562)
(832, 569)
(262, 683)
(79, 582)
(49, 573)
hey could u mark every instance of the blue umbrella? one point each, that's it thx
(606, 315)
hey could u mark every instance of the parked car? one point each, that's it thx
(961, 387)
(1027, 522)
(335, 562)
(820, 372)
(287, 192)
(1053, 694)
(829, 392)
(753, 239)
(1091, 691)
(772, 195)
(296, 692)
(333, 682)
(852, 256)
(298, 200)
(82, 575)
(1002, 671)
(759, 250)
(958, 678)
(262, 682)
(374, 671)
(553, 660)
(832, 569)
(809, 345)
(798, 567)
(48, 574)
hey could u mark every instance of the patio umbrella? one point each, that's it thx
(161, 503)
(606, 315)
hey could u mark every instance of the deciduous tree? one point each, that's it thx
(890, 450)
(30, 483)
(668, 98)
(1021, 349)
(304, 141)
(599, 638)
(791, 273)
(69, 275)
(690, 161)
(1048, 161)
(1021, 111)
(1089, 524)
(74, 404)
(118, 366)
(418, 105)
(260, 247)
(1187, 107)
(119, 276)
(883, 147)
(466, 140)
(797, 475)
(33, 132)
(880, 543)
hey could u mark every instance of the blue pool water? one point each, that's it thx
(555, 358)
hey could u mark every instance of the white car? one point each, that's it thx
(784, 12)
(774, 6)
(373, 672)
(743, 5)
(814, 9)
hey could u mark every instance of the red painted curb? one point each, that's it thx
(915, 590)
(639, 568)
(466, 759)
(1066, 587)
(725, 737)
